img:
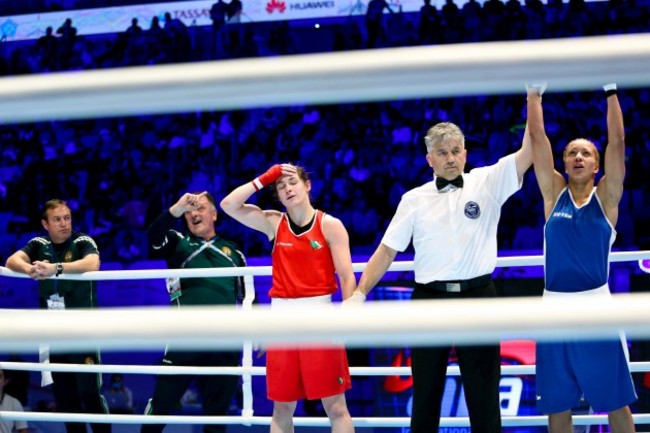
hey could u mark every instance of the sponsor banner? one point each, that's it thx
(106, 20)
(192, 13)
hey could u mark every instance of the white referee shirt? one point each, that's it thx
(454, 231)
(11, 404)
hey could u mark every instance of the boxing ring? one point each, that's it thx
(374, 323)
(374, 75)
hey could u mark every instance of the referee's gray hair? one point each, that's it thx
(442, 132)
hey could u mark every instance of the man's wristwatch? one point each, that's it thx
(59, 269)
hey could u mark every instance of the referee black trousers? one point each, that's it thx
(480, 368)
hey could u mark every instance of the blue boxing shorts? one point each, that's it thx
(568, 369)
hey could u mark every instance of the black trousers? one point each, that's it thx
(79, 392)
(217, 391)
(480, 368)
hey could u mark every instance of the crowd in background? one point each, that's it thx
(118, 173)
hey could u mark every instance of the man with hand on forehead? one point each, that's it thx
(452, 222)
(202, 247)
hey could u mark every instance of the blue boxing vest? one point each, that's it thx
(577, 243)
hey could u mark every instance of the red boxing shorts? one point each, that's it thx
(314, 373)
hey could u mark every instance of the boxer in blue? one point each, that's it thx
(578, 236)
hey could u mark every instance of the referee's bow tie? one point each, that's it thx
(441, 182)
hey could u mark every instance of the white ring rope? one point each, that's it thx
(507, 421)
(426, 322)
(140, 274)
(526, 318)
(417, 323)
(353, 76)
(452, 370)
(468, 321)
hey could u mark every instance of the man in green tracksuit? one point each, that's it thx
(202, 247)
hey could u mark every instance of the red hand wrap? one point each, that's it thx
(272, 174)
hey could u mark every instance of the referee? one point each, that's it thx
(452, 222)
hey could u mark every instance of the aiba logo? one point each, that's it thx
(274, 5)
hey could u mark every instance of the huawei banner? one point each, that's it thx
(192, 13)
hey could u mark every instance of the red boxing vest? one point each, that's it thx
(302, 264)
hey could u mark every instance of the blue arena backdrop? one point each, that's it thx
(193, 13)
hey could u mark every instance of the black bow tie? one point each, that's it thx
(441, 182)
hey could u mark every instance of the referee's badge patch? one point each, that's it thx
(227, 251)
(472, 210)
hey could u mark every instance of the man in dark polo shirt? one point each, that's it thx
(65, 251)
